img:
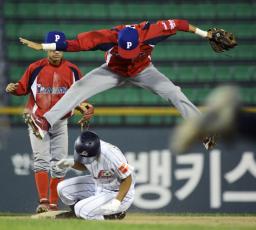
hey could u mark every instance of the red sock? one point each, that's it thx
(42, 186)
(53, 190)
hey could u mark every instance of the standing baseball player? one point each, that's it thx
(108, 190)
(46, 81)
(128, 59)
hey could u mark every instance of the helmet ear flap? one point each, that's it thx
(79, 145)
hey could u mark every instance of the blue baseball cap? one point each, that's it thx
(55, 37)
(128, 43)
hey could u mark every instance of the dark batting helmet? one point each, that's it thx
(87, 147)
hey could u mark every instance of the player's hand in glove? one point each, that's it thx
(87, 111)
(65, 163)
(221, 40)
(111, 207)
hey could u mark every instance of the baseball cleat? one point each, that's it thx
(116, 216)
(43, 206)
(53, 207)
(209, 142)
(218, 118)
(39, 125)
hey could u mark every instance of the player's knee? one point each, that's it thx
(41, 165)
(169, 91)
(39, 168)
(77, 209)
(175, 95)
(81, 210)
(174, 90)
(60, 188)
(61, 192)
(85, 211)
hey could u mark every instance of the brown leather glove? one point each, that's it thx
(221, 40)
(87, 111)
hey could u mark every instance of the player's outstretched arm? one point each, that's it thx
(70, 163)
(202, 33)
(30, 44)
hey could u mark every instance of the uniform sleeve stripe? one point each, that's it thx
(33, 76)
(105, 46)
(146, 26)
(76, 74)
(154, 41)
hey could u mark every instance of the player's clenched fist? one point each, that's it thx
(111, 207)
(11, 87)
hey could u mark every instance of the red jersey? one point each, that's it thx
(46, 84)
(107, 40)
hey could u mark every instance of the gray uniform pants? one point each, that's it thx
(102, 78)
(51, 149)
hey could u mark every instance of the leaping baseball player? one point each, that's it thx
(109, 189)
(128, 59)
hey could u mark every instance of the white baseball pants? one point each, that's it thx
(88, 198)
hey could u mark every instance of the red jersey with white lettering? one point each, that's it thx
(107, 40)
(46, 84)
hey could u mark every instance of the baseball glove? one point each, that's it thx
(87, 111)
(221, 40)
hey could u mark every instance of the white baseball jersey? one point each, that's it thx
(110, 168)
(89, 193)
